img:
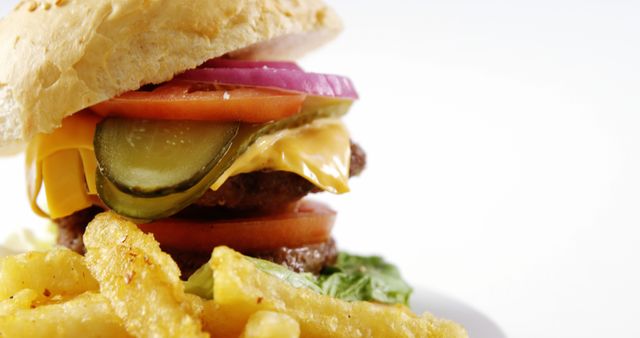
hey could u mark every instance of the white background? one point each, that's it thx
(504, 155)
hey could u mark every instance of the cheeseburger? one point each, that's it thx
(190, 119)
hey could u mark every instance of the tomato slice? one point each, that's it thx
(183, 100)
(308, 223)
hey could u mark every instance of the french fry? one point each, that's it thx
(44, 296)
(267, 324)
(57, 272)
(21, 300)
(86, 315)
(222, 321)
(243, 289)
(53, 294)
(140, 281)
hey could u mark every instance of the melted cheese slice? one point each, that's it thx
(66, 163)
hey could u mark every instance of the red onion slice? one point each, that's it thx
(230, 63)
(287, 79)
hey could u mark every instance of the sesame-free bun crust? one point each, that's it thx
(58, 57)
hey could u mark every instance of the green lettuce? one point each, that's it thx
(355, 278)
(352, 278)
(295, 279)
(201, 282)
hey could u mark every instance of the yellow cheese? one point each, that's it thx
(319, 152)
(90, 165)
(76, 133)
(65, 183)
(65, 161)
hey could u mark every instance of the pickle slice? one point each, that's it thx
(159, 157)
(163, 205)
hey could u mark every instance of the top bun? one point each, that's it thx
(61, 56)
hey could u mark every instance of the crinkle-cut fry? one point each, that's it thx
(268, 324)
(57, 272)
(141, 282)
(86, 315)
(240, 287)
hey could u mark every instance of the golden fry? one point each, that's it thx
(86, 315)
(267, 324)
(53, 294)
(240, 287)
(59, 272)
(141, 282)
(21, 300)
(222, 321)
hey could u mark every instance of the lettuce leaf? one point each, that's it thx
(355, 278)
(201, 282)
(295, 279)
(352, 278)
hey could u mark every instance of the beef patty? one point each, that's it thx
(262, 190)
(268, 190)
